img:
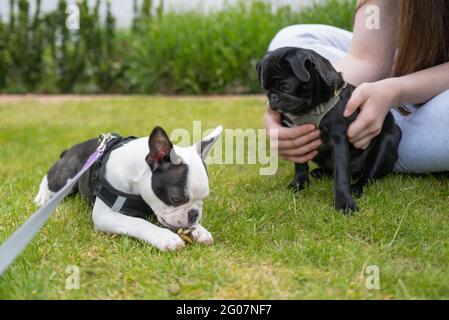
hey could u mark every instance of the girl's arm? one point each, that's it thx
(371, 57)
(377, 98)
(373, 96)
(421, 86)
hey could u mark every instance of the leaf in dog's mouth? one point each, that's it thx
(186, 234)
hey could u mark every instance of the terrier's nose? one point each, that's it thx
(192, 215)
(274, 98)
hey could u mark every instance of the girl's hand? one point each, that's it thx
(297, 144)
(374, 100)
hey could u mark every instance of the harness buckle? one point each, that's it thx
(104, 139)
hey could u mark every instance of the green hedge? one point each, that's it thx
(186, 52)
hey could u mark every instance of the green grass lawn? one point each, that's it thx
(269, 243)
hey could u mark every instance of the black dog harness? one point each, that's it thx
(129, 204)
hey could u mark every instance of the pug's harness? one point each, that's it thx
(316, 115)
(128, 204)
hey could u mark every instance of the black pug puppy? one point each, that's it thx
(305, 88)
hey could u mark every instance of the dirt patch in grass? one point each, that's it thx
(74, 97)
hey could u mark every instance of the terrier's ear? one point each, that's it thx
(161, 150)
(203, 147)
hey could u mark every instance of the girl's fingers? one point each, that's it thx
(367, 132)
(276, 130)
(272, 119)
(357, 99)
(298, 142)
(301, 151)
(366, 123)
(356, 129)
(303, 159)
(290, 134)
(364, 143)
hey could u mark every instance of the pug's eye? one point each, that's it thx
(285, 87)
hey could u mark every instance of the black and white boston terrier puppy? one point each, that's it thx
(305, 88)
(169, 181)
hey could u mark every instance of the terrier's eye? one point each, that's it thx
(176, 199)
(179, 199)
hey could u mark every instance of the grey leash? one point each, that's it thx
(13, 246)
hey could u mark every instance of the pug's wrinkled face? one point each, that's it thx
(297, 80)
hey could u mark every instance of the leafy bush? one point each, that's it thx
(188, 52)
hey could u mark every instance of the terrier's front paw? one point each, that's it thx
(166, 240)
(201, 235)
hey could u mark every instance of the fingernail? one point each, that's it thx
(346, 113)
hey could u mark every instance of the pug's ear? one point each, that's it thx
(306, 61)
(326, 71)
(203, 147)
(161, 150)
(299, 64)
(259, 67)
(259, 71)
